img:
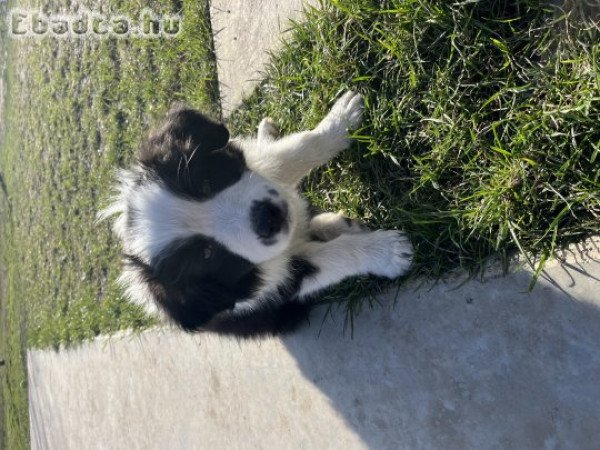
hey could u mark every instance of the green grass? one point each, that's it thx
(482, 130)
(76, 111)
(481, 138)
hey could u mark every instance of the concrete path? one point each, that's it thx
(244, 34)
(477, 366)
(482, 366)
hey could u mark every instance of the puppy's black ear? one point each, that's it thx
(199, 279)
(206, 134)
(185, 132)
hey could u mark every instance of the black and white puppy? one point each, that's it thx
(216, 236)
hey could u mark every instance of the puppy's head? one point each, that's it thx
(192, 181)
(194, 220)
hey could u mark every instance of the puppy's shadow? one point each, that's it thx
(483, 365)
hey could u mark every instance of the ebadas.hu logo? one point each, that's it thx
(36, 24)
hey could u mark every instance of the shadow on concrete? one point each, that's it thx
(478, 366)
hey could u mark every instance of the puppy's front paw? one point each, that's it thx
(345, 115)
(390, 253)
(267, 130)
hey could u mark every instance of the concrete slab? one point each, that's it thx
(244, 32)
(482, 365)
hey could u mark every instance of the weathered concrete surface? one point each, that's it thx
(167, 390)
(244, 33)
(478, 366)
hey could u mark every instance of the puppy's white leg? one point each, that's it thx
(383, 253)
(290, 158)
(328, 226)
(345, 115)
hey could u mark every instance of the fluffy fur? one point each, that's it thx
(216, 236)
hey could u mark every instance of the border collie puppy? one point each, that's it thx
(216, 236)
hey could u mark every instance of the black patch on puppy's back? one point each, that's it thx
(193, 279)
(186, 261)
(206, 304)
(279, 312)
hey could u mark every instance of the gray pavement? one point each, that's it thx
(480, 366)
(451, 366)
(244, 34)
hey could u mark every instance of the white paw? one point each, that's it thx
(345, 115)
(390, 253)
(267, 130)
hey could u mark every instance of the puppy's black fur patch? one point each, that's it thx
(192, 156)
(280, 312)
(199, 295)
